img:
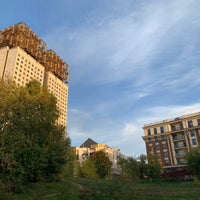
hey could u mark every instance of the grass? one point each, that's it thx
(84, 189)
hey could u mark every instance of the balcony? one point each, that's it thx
(178, 137)
(177, 128)
(178, 155)
(180, 145)
(181, 162)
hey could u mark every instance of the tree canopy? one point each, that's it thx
(102, 163)
(193, 161)
(33, 146)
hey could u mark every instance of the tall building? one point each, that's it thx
(171, 139)
(24, 57)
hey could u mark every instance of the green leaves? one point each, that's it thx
(102, 163)
(193, 161)
(96, 166)
(32, 146)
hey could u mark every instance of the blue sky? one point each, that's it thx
(132, 62)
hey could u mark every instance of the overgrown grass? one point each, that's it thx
(84, 189)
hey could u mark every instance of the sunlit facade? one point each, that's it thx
(88, 148)
(26, 60)
(171, 139)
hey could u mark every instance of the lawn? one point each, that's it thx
(84, 189)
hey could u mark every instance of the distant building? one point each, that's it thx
(89, 147)
(171, 139)
(24, 57)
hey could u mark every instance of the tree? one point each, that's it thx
(102, 163)
(32, 146)
(87, 169)
(154, 167)
(130, 168)
(143, 167)
(193, 161)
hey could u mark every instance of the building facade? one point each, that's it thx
(24, 57)
(89, 147)
(171, 139)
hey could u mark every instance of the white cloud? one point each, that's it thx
(154, 48)
(124, 47)
(129, 129)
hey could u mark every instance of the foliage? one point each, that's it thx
(102, 163)
(32, 146)
(100, 189)
(143, 166)
(154, 167)
(87, 169)
(193, 161)
(69, 167)
(130, 168)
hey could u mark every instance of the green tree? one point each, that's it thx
(143, 167)
(102, 163)
(193, 161)
(32, 146)
(130, 168)
(87, 169)
(154, 167)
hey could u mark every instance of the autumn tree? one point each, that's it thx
(102, 163)
(33, 146)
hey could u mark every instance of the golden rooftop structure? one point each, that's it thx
(21, 35)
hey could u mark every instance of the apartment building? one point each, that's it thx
(24, 57)
(171, 139)
(90, 146)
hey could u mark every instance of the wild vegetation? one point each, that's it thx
(38, 162)
(193, 160)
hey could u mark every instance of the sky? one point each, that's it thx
(132, 62)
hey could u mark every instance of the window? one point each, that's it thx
(162, 129)
(175, 137)
(184, 144)
(155, 130)
(166, 162)
(164, 146)
(163, 138)
(150, 149)
(156, 139)
(165, 154)
(190, 124)
(182, 136)
(157, 147)
(194, 142)
(198, 121)
(173, 128)
(149, 132)
(192, 133)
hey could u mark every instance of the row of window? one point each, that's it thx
(157, 147)
(174, 127)
(156, 139)
(155, 130)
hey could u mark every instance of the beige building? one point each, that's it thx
(171, 139)
(23, 59)
(60, 91)
(89, 147)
